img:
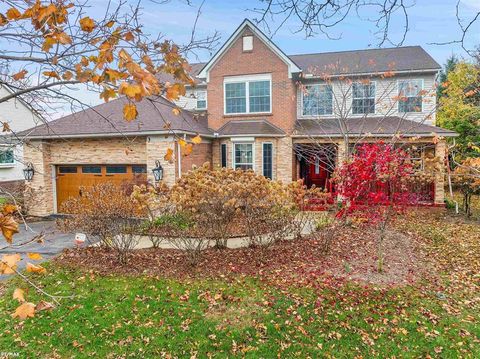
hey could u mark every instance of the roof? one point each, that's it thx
(375, 126)
(154, 116)
(292, 67)
(397, 59)
(194, 70)
(249, 127)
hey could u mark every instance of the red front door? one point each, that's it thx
(318, 173)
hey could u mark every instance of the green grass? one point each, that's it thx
(146, 317)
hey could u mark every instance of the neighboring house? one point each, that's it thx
(255, 108)
(15, 116)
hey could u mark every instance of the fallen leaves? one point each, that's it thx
(8, 265)
(9, 227)
(34, 256)
(24, 311)
(32, 268)
(19, 295)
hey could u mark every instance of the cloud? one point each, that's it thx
(474, 4)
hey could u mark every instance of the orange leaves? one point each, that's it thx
(132, 91)
(24, 311)
(34, 256)
(52, 74)
(87, 24)
(8, 264)
(176, 111)
(174, 91)
(129, 36)
(9, 227)
(3, 20)
(169, 155)
(67, 76)
(13, 14)
(130, 112)
(20, 75)
(107, 94)
(19, 295)
(188, 149)
(197, 140)
(32, 268)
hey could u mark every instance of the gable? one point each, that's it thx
(248, 28)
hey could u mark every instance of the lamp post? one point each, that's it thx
(29, 171)
(157, 171)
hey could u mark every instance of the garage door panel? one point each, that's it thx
(72, 177)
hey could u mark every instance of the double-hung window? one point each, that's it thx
(243, 156)
(410, 96)
(363, 98)
(201, 99)
(317, 100)
(252, 95)
(6, 156)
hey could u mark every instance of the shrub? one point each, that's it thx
(107, 212)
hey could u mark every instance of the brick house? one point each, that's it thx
(286, 117)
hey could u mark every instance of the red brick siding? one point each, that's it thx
(201, 153)
(261, 60)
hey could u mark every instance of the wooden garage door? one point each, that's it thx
(70, 178)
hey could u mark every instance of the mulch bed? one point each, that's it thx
(352, 256)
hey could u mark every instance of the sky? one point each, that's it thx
(430, 21)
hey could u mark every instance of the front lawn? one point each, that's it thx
(279, 310)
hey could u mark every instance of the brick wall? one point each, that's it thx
(261, 60)
(201, 153)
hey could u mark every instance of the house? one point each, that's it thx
(286, 117)
(15, 116)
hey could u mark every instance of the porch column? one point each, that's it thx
(284, 155)
(341, 155)
(440, 149)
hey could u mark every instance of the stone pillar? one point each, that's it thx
(216, 153)
(157, 147)
(39, 199)
(440, 149)
(341, 155)
(284, 156)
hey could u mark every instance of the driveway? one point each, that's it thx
(54, 241)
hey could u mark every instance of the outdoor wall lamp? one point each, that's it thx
(29, 171)
(157, 171)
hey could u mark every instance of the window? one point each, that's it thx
(268, 160)
(259, 96)
(92, 169)
(243, 156)
(67, 169)
(201, 100)
(6, 157)
(116, 169)
(249, 96)
(235, 98)
(363, 98)
(410, 94)
(139, 169)
(317, 100)
(223, 155)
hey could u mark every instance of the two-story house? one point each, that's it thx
(286, 117)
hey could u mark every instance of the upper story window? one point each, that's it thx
(410, 95)
(247, 43)
(363, 98)
(201, 96)
(251, 95)
(318, 100)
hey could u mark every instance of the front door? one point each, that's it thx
(318, 174)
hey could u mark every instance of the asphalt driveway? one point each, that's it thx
(54, 241)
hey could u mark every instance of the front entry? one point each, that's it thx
(71, 178)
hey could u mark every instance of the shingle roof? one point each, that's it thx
(407, 58)
(249, 127)
(376, 126)
(107, 119)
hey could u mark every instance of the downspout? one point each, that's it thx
(179, 151)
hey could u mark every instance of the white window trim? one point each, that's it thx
(246, 80)
(9, 164)
(243, 143)
(303, 94)
(374, 99)
(398, 93)
(273, 157)
(206, 100)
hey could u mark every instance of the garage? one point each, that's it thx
(71, 178)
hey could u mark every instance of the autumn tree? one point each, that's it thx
(466, 178)
(51, 48)
(373, 188)
(459, 108)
